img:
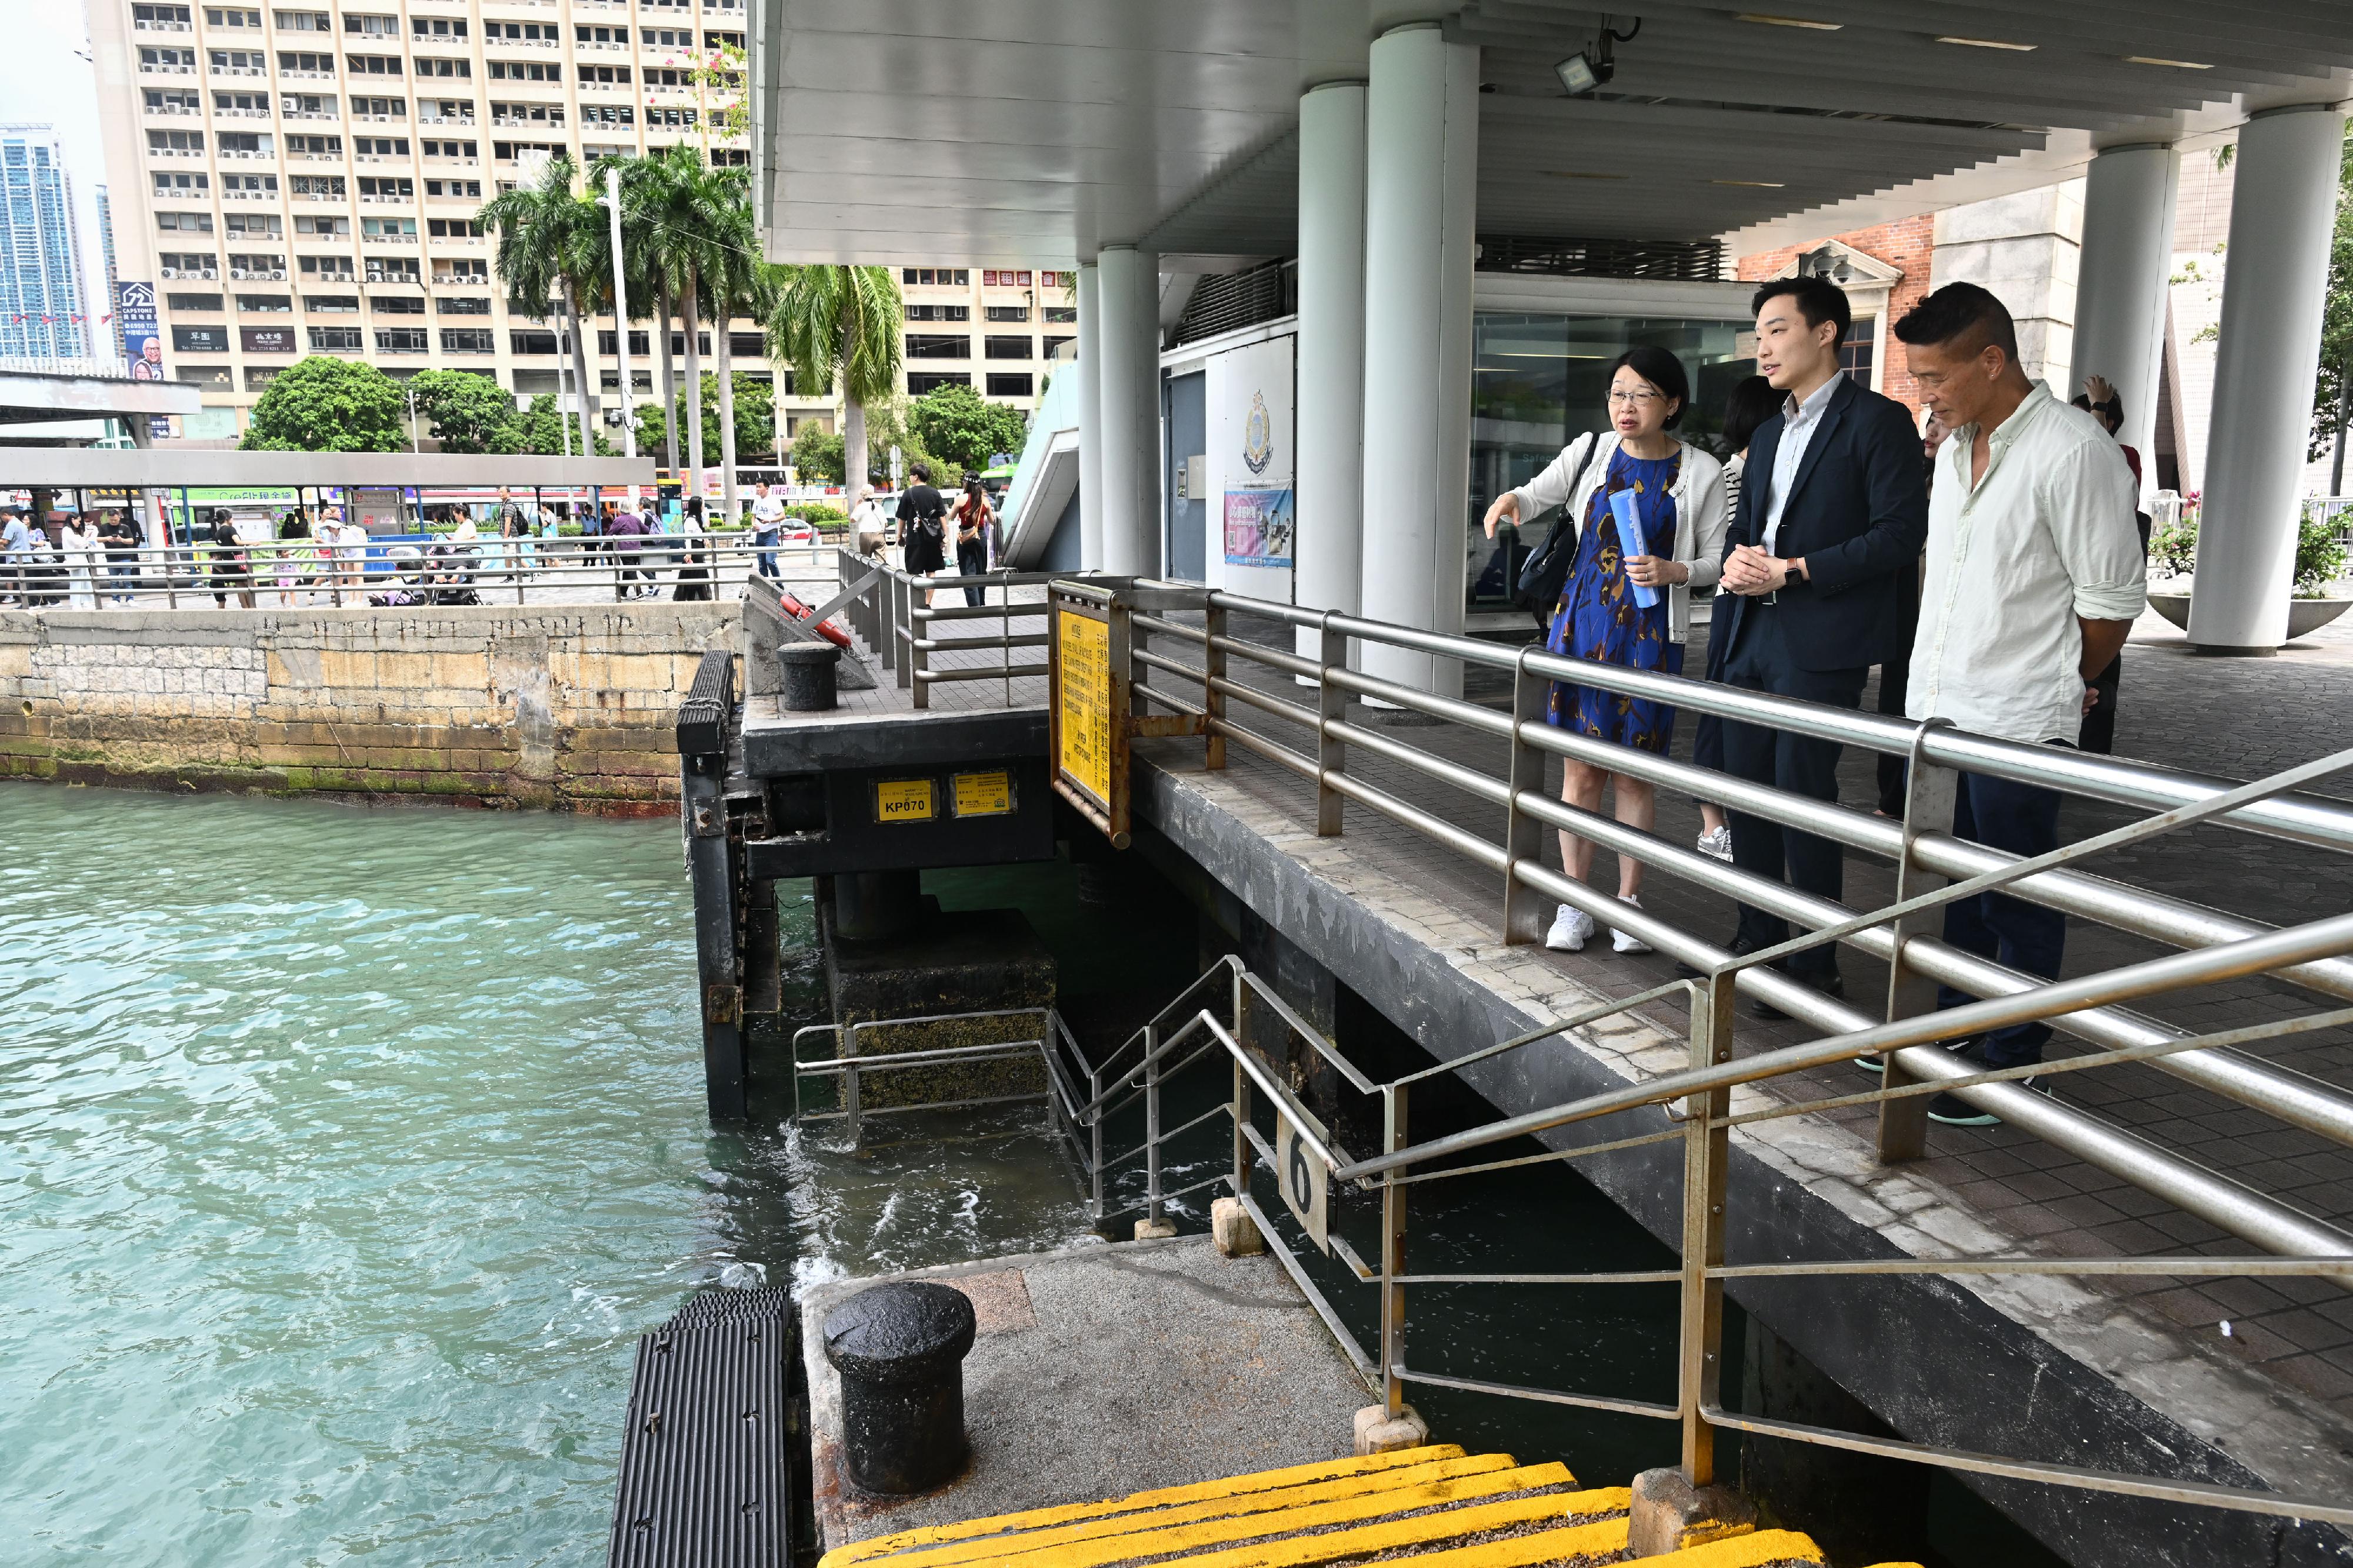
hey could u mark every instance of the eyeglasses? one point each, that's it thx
(1635, 399)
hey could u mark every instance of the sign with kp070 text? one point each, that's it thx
(1306, 1180)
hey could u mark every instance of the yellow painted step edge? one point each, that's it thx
(1601, 1540)
(1255, 1480)
(1301, 1551)
(1208, 1533)
(1750, 1551)
(1235, 1507)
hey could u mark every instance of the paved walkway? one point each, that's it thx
(2236, 717)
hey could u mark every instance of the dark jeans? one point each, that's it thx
(1760, 661)
(972, 559)
(1894, 683)
(767, 560)
(2024, 820)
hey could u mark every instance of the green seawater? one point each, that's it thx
(344, 1154)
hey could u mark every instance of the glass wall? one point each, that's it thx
(1538, 380)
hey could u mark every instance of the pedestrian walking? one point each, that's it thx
(351, 552)
(867, 523)
(693, 583)
(2098, 732)
(2034, 579)
(229, 562)
(78, 546)
(923, 530)
(1650, 513)
(768, 520)
(622, 538)
(1752, 402)
(1831, 511)
(118, 539)
(972, 515)
(16, 552)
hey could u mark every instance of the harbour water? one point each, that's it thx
(345, 1154)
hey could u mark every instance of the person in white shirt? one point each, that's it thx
(868, 523)
(767, 518)
(2034, 577)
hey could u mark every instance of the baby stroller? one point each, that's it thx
(407, 579)
(449, 577)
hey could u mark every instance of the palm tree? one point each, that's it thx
(644, 244)
(539, 228)
(837, 319)
(690, 203)
(733, 288)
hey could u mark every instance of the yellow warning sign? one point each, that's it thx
(984, 795)
(903, 800)
(1082, 704)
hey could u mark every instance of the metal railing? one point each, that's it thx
(285, 573)
(907, 627)
(1934, 869)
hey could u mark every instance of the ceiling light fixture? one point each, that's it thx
(2175, 64)
(1589, 70)
(1988, 44)
(1581, 174)
(1750, 185)
(1763, 20)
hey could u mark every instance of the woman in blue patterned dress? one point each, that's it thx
(1672, 493)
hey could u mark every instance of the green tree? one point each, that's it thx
(818, 453)
(542, 431)
(889, 426)
(688, 210)
(2329, 400)
(549, 242)
(325, 405)
(467, 412)
(754, 410)
(831, 321)
(957, 423)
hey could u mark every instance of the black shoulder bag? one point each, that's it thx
(1545, 571)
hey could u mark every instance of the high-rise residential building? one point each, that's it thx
(112, 312)
(44, 309)
(305, 180)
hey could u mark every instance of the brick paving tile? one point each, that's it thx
(2323, 1376)
(2230, 718)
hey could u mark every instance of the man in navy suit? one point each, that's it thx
(1818, 570)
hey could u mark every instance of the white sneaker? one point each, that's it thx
(1716, 842)
(1626, 940)
(1569, 930)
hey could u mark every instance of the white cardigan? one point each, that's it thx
(1700, 517)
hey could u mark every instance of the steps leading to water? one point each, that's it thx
(1435, 1507)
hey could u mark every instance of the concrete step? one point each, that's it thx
(1433, 1507)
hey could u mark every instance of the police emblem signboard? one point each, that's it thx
(1256, 422)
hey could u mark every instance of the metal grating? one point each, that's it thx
(1679, 260)
(703, 1480)
(709, 703)
(719, 1304)
(1226, 302)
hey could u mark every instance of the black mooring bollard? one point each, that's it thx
(808, 676)
(900, 1350)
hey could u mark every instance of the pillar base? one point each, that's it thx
(1376, 1434)
(2224, 650)
(1154, 1229)
(1669, 1514)
(1231, 1227)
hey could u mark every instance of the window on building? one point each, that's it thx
(1008, 312)
(641, 345)
(152, 58)
(437, 27)
(456, 227)
(392, 228)
(394, 270)
(450, 188)
(265, 304)
(526, 114)
(1004, 280)
(188, 263)
(380, 107)
(330, 227)
(386, 187)
(526, 70)
(238, 62)
(326, 268)
(922, 382)
(941, 277)
(313, 105)
(605, 76)
(468, 341)
(321, 186)
(380, 146)
(373, 65)
(217, 16)
(667, 38)
(521, 32)
(1054, 346)
(181, 185)
(302, 21)
(256, 225)
(453, 69)
(374, 27)
(1064, 315)
(239, 104)
(187, 223)
(1855, 353)
(607, 114)
(317, 147)
(258, 378)
(336, 339)
(252, 265)
(332, 304)
(160, 16)
(461, 304)
(400, 340)
(939, 312)
(531, 343)
(927, 345)
(585, 33)
(447, 148)
(192, 302)
(294, 63)
(461, 270)
(247, 143)
(250, 184)
(192, 142)
(1011, 386)
(1009, 348)
(730, 157)
(396, 305)
(177, 100)
(723, 40)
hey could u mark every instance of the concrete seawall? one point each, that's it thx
(561, 706)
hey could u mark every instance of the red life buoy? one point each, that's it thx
(826, 629)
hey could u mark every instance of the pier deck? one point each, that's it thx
(1105, 1370)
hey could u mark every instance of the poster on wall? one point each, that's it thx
(142, 341)
(1255, 426)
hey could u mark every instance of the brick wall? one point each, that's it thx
(1910, 244)
(567, 707)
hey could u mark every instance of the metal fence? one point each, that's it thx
(907, 627)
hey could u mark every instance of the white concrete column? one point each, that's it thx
(2120, 287)
(1129, 397)
(1421, 175)
(1090, 374)
(1328, 514)
(2282, 211)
